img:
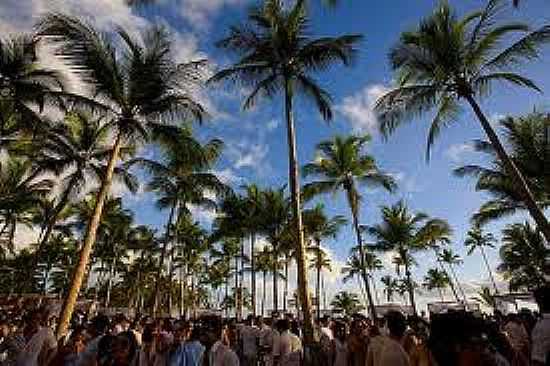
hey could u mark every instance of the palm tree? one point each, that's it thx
(485, 297)
(76, 149)
(25, 86)
(402, 232)
(347, 303)
(436, 279)
(319, 262)
(451, 259)
(523, 256)
(343, 165)
(317, 227)
(181, 178)
(278, 55)
(21, 191)
(527, 140)
(390, 286)
(476, 239)
(448, 60)
(264, 264)
(139, 85)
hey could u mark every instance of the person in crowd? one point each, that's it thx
(290, 348)
(540, 337)
(67, 354)
(216, 352)
(124, 349)
(357, 342)
(249, 337)
(97, 330)
(393, 353)
(339, 345)
(36, 344)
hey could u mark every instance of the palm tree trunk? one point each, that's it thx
(441, 294)
(156, 298)
(182, 290)
(489, 269)
(318, 292)
(376, 299)
(409, 284)
(109, 283)
(264, 291)
(253, 273)
(297, 214)
(324, 293)
(285, 293)
(241, 284)
(89, 240)
(453, 272)
(236, 291)
(63, 200)
(275, 306)
(519, 180)
(352, 200)
(442, 267)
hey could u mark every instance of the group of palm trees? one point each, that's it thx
(62, 151)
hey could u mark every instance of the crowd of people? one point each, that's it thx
(450, 339)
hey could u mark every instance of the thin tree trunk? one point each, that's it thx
(519, 180)
(441, 294)
(410, 284)
(182, 290)
(241, 284)
(458, 284)
(156, 298)
(264, 292)
(297, 215)
(489, 270)
(63, 200)
(355, 216)
(324, 293)
(253, 272)
(236, 291)
(109, 283)
(318, 284)
(374, 290)
(442, 267)
(226, 308)
(80, 270)
(275, 306)
(285, 293)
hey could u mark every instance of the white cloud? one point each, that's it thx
(457, 152)
(228, 176)
(358, 108)
(199, 13)
(272, 125)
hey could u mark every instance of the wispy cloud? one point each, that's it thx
(358, 108)
(457, 152)
(199, 13)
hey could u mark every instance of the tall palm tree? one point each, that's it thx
(451, 259)
(523, 256)
(343, 165)
(354, 269)
(320, 261)
(347, 303)
(21, 191)
(264, 264)
(137, 85)
(278, 55)
(401, 231)
(390, 286)
(438, 280)
(485, 297)
(181, 177)
(476, 239)
(528, 142)
(448, 60)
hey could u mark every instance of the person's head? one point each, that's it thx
(105, 350)
(260, 321)
(100, 324)
(282, 325)
(324, 321)
(340, 330)
(182, 329)
(124, 348)
(249, 320)
(32, 320)
(396, 324)
(4, 326)
(212, 329)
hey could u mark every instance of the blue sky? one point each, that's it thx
(256, 140)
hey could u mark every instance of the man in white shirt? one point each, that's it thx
(290, 346)
(217, 353)
(540, 337)
(250, 335)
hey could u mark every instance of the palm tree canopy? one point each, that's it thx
(275, 48)
(527, 143)
(137, 84)
(347, 303)
(448, 58)
(523, 256)
(477, 239)
(436, 279)
(340, 162)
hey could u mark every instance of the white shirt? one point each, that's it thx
(290, 349)
(541, 339)
(221, 355)
(393, 354)
(43, 339)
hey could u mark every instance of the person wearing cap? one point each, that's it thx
(216, 352)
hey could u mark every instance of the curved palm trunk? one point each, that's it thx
(253, 273)
(352, 200)
(164, 249)
(297, 214)
(410, 287)
(89, 239)
(442, 267)
(453, 272)
(519, 181)
(489, 269)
